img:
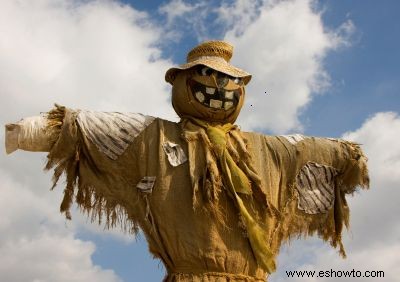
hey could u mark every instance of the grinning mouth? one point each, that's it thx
(213, 97)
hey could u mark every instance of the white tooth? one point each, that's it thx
(200, 96)
(228, 105)
(229, 94)
(210, 90)
(217, 104)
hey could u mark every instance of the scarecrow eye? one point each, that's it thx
(238, 80)
(206, 71)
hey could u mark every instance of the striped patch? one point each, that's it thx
(293, 139)
(315, 184)
(112, 132)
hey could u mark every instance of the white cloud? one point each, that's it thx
(50, 258)
(379, 136)
(176, 9)
(283, 43)
(238, 15)
(343, 34)
(96, 54)
(373, 240)
(34, 243)
(186, 19)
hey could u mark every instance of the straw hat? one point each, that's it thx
(213, 54)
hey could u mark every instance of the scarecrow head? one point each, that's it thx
(207, 86)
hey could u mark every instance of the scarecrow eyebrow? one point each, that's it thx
(200, 69)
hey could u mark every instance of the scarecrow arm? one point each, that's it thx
(320, 172)
(91, 150)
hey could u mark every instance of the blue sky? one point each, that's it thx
(366, 74)
(330, 68)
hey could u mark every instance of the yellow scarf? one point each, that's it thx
(236, 182)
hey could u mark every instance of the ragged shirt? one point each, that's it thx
(133, 171)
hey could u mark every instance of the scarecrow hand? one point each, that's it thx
(29, 134)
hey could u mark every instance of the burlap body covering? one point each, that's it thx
(185, 236)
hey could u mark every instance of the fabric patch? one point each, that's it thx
(293, 139)
(112, 132)
(175, 153)
(315, 184)
(146, 184)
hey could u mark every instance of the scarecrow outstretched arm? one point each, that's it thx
(91, 150)
(320, 172)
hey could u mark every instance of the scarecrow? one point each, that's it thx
(214, 203)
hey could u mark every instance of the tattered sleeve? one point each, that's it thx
(97, 152)
(317, 173)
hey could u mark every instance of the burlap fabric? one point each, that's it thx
(176, 216)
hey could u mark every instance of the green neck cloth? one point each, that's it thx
(236, 182)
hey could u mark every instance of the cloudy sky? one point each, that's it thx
(323, 68)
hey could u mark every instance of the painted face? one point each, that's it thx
(214, 89)
(205, 93)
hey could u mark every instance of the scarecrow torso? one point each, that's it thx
(187, 239)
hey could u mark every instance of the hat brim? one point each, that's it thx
(211, 62)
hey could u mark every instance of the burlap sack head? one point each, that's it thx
(207, 86)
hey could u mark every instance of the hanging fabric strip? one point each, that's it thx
(237, 182)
